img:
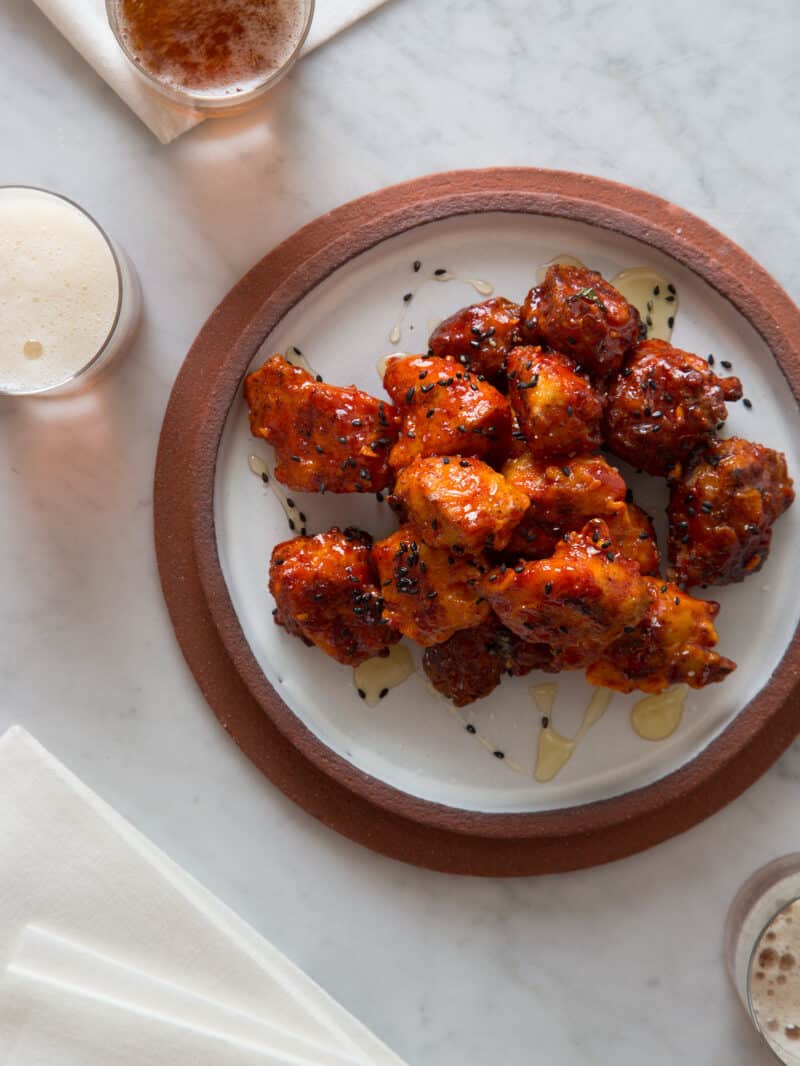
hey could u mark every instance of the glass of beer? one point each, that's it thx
(762, 954)
(69, 296)
(214, 56)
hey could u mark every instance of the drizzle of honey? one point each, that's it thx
(655, 298)
(294, 516)
(376, 677)
(657, 717)
(555, 750)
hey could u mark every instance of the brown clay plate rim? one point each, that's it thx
(343, 797)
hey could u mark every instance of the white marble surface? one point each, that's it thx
(699, 102)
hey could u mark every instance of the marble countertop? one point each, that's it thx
(697, 102)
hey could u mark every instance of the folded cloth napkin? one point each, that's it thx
(76, 868)
(84, 24)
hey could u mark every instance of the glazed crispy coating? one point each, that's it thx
(672, 643)
(429, 593)
(578, 601)
(632, 533)
(663, 404)
(326, 438)
(472, 662)
(558, 410)
(458, 502)
(575, 311)
(722, 510)
(326, 593)
(479, 336)
(564, 496)
(445, 410)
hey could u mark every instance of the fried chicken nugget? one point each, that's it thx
(445, 410)
(429, 593)
(456, 502)
(326, 592)
(671, 644)
(326, 438)
(578, 601)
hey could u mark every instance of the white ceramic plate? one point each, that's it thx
(415, 740)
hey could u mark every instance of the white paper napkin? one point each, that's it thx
(45, 963)
(72, 865)
(84, 24)
(55, 1029)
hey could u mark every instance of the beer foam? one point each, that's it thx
(220, 47)
(59, 290)
(774, 983)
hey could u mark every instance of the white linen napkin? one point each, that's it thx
(84, 24)
(72, 865)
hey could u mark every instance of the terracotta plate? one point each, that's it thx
(407, 778)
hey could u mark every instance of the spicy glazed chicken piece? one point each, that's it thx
(455, 502)
(558, 410)
(472, 662)
(575, 311)
(722, 510)
(326, 438)
(563, 497)
(327, 594)
(663, 404)
(633, 535)
(479, 337)
(671, 644)
(578, 601)
(429, 593)
(445, 410)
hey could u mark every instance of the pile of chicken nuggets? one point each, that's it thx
(519, 546)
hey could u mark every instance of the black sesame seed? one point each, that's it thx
(711, 360)
(439, 271)
(677, 601)
(470, 728)
(342, 440)
(362, 693)
(432, 594)
(417, 265)
(356, 422)
(747, 403)
(657, 290)
(644, 535)
(499, 755)
(430, 413)
(464, 462)
(446, 461)
(565, 470)
(409, 296)
(548, 588)
(295, 458)
(725, 363)
(410, 394)
(671, 321)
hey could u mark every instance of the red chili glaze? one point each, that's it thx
(326, 592)
(326, 438)
(722, 510)
(577, 312)
(479, 336)
(663, 404)
(446, 410)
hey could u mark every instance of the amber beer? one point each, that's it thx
(216, 53)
